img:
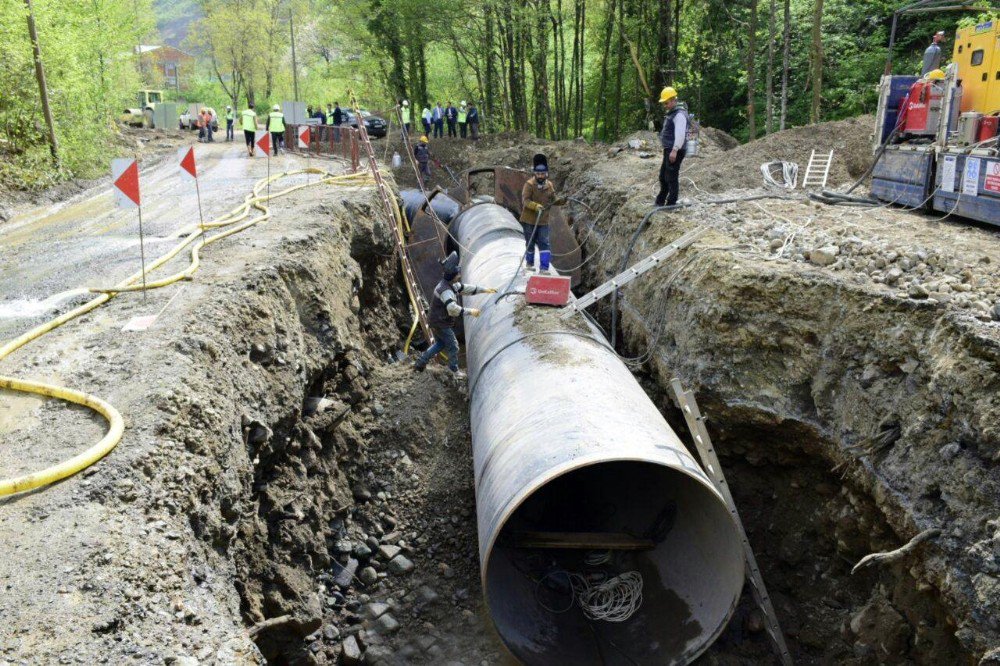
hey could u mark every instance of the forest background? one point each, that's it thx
(556, 68)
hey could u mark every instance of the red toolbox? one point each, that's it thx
(547, 290)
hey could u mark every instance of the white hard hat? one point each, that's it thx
(463, 102)
(405, 103)
(276, 108)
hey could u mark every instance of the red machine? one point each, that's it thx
(922, 108)
(987, 128)
(547, 290)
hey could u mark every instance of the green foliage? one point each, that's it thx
(87, 50)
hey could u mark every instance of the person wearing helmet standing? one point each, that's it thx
(276, 126)
(932, 56)
(230, 122)
(673, 140)
(446, 306)
(463, 116)
(422, 153)
(248, 121)
(404, 113)
(538, 196)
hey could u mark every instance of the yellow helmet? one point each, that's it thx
(667, 94)
(935, 75)
(423, 139)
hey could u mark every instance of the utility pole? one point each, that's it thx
(295, 68)
(42, 88)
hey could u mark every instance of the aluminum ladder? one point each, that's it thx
(710, 461)
(633, 272)
(818, 170)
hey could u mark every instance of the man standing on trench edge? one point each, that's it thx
(673, 139)
(445, 307)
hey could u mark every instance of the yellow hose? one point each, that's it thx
(116, 425)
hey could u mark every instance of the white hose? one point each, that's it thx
(789, 174)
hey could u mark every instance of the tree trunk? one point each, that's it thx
(770, 66)
(786, 57)
(816, 53)
(43, 90)
(752, 72)
(601, 102)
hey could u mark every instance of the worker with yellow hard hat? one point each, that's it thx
(422, 152)
(673, 139)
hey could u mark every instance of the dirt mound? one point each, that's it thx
(739, 168)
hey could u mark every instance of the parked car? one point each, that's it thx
(376, 127)
(189, 120)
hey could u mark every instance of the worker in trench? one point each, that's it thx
(445, 307)
(537, 197)
(422, 153)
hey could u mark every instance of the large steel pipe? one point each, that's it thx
(567, 444)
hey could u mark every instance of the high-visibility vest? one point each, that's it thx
(406, 114)
(461, 116)
(230, 115)
(249, 120)
(329, 117)
(276, 122)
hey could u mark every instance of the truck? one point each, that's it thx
(936, 135)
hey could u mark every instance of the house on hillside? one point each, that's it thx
(164, 63)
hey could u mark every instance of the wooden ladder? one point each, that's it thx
(710, 461)
(818, 170)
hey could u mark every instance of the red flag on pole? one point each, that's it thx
(186, 157)
(264, 142)
(305, 136)
(125, 174)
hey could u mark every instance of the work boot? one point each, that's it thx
(544, 258)
(529, 261)
(418, 366)
(459, 375)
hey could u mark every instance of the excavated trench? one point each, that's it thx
(830, 439)
(352, 530)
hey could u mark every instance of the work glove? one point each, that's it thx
(533, 205)
(475, 312)
(489, 290)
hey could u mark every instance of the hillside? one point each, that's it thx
(174, 19)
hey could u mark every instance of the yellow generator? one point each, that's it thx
(978, 57)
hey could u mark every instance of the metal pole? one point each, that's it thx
(142, 254)
(201, 217)
(42, 87)
(295, 68)
(892, 43)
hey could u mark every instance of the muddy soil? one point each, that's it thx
(849, 364)
(150, 146)
(288, 490)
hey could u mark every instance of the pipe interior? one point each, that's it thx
(691, 578)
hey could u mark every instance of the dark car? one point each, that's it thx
(375, 126)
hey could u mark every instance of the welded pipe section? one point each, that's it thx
(444, 206)
(578, 473)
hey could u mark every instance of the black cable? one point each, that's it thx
(506, 290)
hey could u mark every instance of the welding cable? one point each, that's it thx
(116, 426)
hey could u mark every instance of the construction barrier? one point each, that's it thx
(329, 141)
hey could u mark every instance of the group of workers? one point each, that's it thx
(462, 121)
(538, 197)
(275, 124)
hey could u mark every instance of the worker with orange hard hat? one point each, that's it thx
(673, 140)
